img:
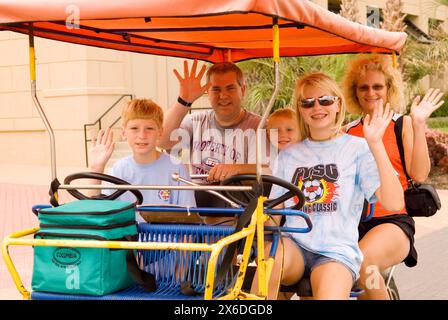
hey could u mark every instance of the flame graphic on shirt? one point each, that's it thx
(330, 191)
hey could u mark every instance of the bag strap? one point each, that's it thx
(398, 129)
(143, 278)
(53, 192)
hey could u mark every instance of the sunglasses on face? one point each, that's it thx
(375, 87)
(324, 101)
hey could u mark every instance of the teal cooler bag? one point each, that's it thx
(90, 271)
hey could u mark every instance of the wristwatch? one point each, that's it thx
(183, 102)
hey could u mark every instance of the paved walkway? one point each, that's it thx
(21, 187)
(16, 201)
(429, 279)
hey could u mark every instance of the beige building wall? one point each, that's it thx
(75, 84)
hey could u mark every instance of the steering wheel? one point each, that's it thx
(244, 197)
(101, 177)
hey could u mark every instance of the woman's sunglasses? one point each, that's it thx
(324, 101)
(375, 87)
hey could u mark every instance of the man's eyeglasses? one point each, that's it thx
(375, 87)
(324, 101)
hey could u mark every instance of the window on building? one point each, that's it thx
(415, 32)
(334, 6)
(373, 17)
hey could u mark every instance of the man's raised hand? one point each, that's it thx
(190, 83)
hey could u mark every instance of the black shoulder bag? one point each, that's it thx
(421, 200)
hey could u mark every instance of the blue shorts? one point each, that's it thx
(313, 260)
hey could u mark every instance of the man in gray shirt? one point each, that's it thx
(221, 141)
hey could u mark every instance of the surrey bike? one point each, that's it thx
(187, 260)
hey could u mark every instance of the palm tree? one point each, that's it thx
(393, 16)
(416, 61)
(260, 77)
(349, 10)
(420, 60)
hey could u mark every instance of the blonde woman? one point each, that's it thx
(388, 238)
(336, 172)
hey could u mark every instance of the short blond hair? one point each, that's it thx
(142, 109)
(324, 82)
(394, 82)
(288, 113)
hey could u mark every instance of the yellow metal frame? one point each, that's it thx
(394, 60)
(276, 42)
(17, 238)
(256, 224)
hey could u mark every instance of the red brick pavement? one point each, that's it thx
(16, 202)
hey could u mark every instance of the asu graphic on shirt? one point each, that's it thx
(319, 186)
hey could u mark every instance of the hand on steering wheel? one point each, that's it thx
(101, 177)
(244, 197)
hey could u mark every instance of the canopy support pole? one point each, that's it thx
(37, 103)
(394, 59)
(276, 58)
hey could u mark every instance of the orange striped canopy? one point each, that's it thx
(209, 30)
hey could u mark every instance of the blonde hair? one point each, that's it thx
(324, 82)
(357, 68)
(142, 109)
(282, 113)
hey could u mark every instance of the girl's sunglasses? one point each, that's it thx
(324, 101)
